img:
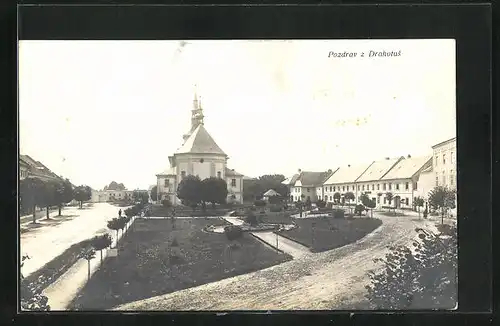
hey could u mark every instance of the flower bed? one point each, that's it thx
(330, 233)
(145, 266)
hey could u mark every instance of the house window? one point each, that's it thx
(444, 179)
(358, 188)
(437, 160)
(390, 186)
(334, 188)
(406, 200)
(218, 174)
(233, 182)
(407, 186)
(444, 158)
(363, 187)
(378, 186)
(331, 198)
(397, 186)
(451, 157)
(385, 200)
(330, 188)
(373, 186)
(308, 189)
(378, 200)
(325, 189)
(385, 186)
(343, 188)
(166, 184)
(183, 174)
(414, 186)
(437, 179)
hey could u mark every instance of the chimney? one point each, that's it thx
(409, 156)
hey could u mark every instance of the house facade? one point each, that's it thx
(342, 181)
(306, 184)
(444, 163)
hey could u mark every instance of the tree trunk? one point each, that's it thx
(101, 256)
(47, 212)
(88, 270)
(116, 244)
(34, 214)
(60, 208)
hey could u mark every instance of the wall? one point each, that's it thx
(237, 191)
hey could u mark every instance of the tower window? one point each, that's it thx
(166, 182)
(233, 182)
(218, 174)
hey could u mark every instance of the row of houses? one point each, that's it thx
(405, 177)
(103, 196)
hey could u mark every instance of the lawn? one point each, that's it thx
(159, 210)
(145, 267)
(330, 233)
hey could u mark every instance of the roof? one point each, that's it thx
(200, 142)
(291, 180)
(378, 169)
(169, 171)
(408, 167)
(444, 142)
(271, 192)
(38, 166)
(347, 174)
(232, 172)
(313, 178)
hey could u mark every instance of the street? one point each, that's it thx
(53, 237)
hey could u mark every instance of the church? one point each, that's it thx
(201, 156)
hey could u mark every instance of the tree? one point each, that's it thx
(115, 224)
(349, 196)
(31, 194)
(336, 197)
(63, 194)
(88, 255)
(389, 197)
(308, 203)
(189, 191)
(214, 191)
(154, 193)
(418, 202)
(367, 202)
(426, 276)
(140, 196)
(101, 242)
(82, 193)
(49, 196)
(442, 198)
(255, 188)
(30, 295)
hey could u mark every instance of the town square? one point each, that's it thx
(246, 178)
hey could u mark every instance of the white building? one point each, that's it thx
(306, 183)
(201, 156)
(343, 180)
(444, 163)
(404, 179)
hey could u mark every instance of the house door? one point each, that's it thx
(397, 202)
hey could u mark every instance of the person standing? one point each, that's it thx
(120, 213)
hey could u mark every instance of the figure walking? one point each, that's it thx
(120, 213)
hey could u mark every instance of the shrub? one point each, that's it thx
(251, 219)
(233, 232)
(320, 204)
(259, 203)
(359, 209)
(253, 208)
(329, 205)
(424, 277)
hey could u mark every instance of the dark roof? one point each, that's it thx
(200, 142)
(444, 142)
(313, 178)
(291, 180)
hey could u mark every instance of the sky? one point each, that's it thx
(102, 111)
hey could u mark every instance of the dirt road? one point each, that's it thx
(322, 281)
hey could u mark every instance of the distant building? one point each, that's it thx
(199, 155)
(444, 163)
(270, 193)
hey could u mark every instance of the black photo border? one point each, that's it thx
(469, 24)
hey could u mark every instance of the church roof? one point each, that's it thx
(200, 142)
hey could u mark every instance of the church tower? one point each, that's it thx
(196, 115)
